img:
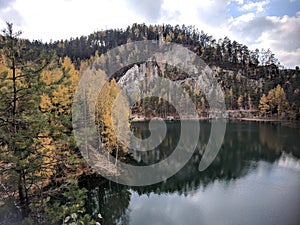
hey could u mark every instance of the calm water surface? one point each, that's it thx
(255, 179)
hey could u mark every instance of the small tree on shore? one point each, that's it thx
(263, 105)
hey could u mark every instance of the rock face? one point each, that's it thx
(147, 72)
(141, 78)
(139, 73)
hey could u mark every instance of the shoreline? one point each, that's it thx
(266, 119)
(259, 119)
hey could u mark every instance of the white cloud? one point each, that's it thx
(210, 16)
(151, 10)
(58, 19)
(248, 26)
(280, 34)
(254, 6)
(240, 2)
(215, 13)
(9, 13)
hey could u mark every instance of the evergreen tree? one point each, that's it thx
(22, 124)
(35, 126)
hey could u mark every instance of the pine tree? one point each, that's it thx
(35, 127)
(21, 121)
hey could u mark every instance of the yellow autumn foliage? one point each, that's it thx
(48, 155)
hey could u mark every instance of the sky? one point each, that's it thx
(273, 24)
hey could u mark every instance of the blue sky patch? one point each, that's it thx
(271, 8)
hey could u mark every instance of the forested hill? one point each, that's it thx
(249, 78)
(224, 52)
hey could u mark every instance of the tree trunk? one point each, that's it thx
(23, 196)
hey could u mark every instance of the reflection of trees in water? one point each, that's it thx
(280, 138)
(244, 144)
(110, 199)
(270, 137)
(167, 146)
(241, 148)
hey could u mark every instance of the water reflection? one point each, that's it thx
(289, 161)
(254, 180)
(263, 196)
(111, 199)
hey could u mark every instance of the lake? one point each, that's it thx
(255, 179)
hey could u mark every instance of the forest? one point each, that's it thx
(40, 164)
(249, 78)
